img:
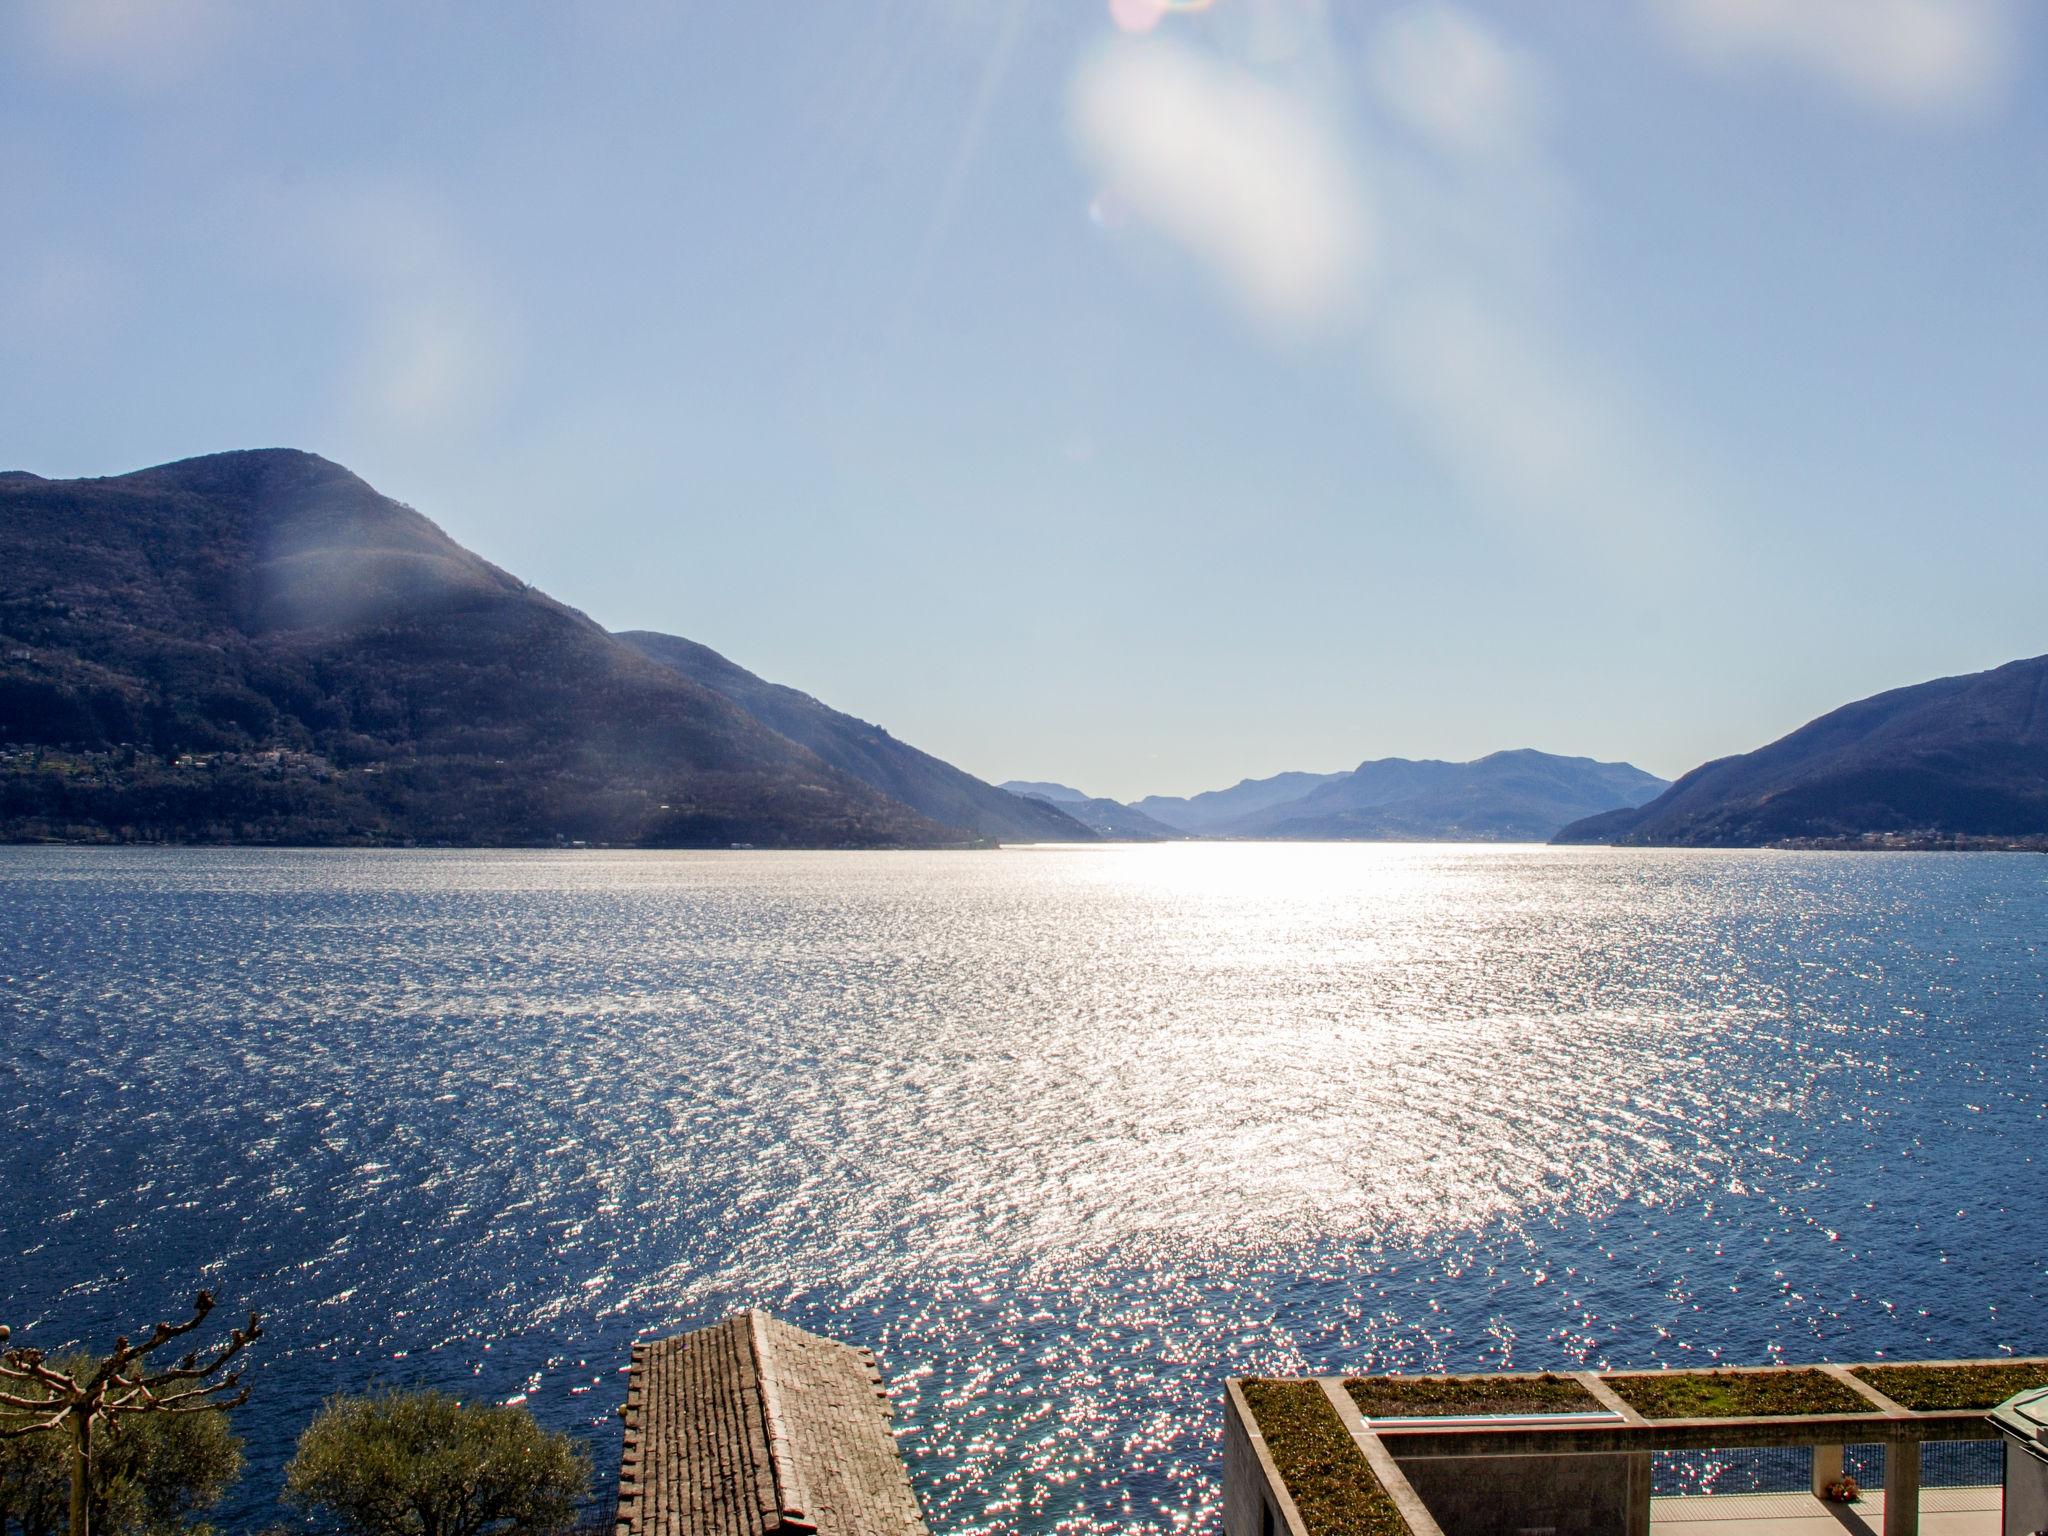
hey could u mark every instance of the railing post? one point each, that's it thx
(1902, 1488)
(1827, 1468)
(1641, 1484)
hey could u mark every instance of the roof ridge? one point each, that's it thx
(791, 1492)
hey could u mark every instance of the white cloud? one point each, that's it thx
(1451, 79)
(1905, 55)
(1466, 343)
(439, 339)
(430, 362)
(1237, 170)
(149, 43)
(1526, 424)
(1460, 331)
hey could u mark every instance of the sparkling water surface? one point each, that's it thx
(1067, 1135)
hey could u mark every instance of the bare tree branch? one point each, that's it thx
(15, 1432)
(118, 1386)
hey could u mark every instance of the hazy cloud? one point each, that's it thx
(1451, 79)
(1453, 315)
(1466, 343)
(1236, 169)
(1906, 55)
(439, 338)
(140, 42)
(1523, 422)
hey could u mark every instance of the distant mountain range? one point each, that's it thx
(1039, 789)
(1521, 796)
(1107, 818)
(1215, 809)
(257, 647)
(1960, 759)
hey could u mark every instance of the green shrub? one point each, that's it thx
(424, 1464)
(1735, 1394)
(1393, 1397)
(1933, 1388)
(154, 1476)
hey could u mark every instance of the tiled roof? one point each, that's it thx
(752, 1427)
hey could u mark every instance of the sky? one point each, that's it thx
(1138, 395)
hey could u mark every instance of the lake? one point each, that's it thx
(1067, 1135)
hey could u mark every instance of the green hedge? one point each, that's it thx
(1394, 1397)
(1332, 1483)
(1735, 1394)
(1932, 1388)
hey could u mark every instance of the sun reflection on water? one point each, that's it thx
(1066, 1134)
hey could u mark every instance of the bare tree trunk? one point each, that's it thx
(81, 1474)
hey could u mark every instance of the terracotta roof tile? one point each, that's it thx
(752, 1427)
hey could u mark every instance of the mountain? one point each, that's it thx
(258, 647)
(1215, 807)
(1509, 797)
(1113, 819)
(1110, 818)
(1521, 796)
(1058, 794)
(928, 786)
(1957, 758)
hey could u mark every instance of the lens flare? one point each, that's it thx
(1108, 209)
(1140, 16)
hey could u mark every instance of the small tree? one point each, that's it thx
(423, 1464)
(82, 1395)
(35, 1481)
(150, 1480)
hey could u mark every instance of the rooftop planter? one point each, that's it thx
(1327, 1475)
(1735, 1394)
(1417, 1397)
(1933, 1388)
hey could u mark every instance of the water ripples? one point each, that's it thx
(1066, 1135)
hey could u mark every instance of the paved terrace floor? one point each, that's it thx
(1943, 1512)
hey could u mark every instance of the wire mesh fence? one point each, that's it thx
(1962, 1464)
(598, 1515)
(1789, 1468)
(1758, 1469)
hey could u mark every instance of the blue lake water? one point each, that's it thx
(1065, 1135)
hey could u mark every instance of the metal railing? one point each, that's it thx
(1962, 1464)
(1789, 1468)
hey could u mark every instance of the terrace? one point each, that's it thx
(1737, 1452)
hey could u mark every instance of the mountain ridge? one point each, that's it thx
(1955, 757)
(928, 785)
(1214, 807)
(1518, 795)
(1107, 818)
(1047, 790)
(257, 646)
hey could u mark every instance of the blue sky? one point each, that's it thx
(1140, 398)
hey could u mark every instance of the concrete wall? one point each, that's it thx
(2026, 1491)
(1254, 1503)
(1596, 1495)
